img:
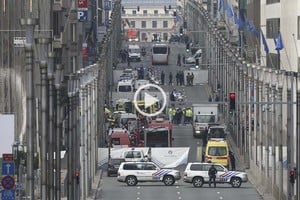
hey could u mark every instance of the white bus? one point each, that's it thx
(160, 54)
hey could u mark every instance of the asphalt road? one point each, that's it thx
(113, 190)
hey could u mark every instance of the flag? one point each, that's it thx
(251, 28)
(235, 18)
(264, 43)
(221, 4)
(278, 42)
(229, 11)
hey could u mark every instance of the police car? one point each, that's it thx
(134, 172)
(197, 174)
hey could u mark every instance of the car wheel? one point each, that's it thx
(169, 180)
(198, 181)
(236, 182)
(131, 180)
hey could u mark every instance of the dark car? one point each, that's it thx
(113, 166)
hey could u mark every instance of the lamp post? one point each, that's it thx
(280, 80)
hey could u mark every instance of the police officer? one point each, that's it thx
(232, 160)
(212, 171)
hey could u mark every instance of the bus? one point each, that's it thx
(160, 54)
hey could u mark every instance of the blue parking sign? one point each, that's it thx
(82, 15)
(8, 195)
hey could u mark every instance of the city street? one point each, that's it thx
(183, 137)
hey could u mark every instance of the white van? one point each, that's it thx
(134, 52)
(127, 85)
(192, 59)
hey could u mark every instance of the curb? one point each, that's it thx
(252, 179)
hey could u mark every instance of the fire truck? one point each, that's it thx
(133, 35)
(121, 137)
(158, 133)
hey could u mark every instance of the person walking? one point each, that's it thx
(212, 172)
(178, 60)
(170, 78)
(177, 78)
(204, 137)
(192, 79)
(232, 160)
(162, 77)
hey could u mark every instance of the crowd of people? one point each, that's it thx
(180, 115)
(180, 81)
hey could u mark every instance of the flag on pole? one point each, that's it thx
(221, 4)
(278, 42)
(264, 42)
(251, 28)
(229, 11)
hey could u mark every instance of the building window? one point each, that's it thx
(165, 24)
(134, 12)
(155, 12)
(167, 12)
(273, 27)
(272, 1)
(132, 24)
(144, 36)
(272, 61)
(165, 36)
(298, 27)
(143, 24)
(154, 24)
(144, 12)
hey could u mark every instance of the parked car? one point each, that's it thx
(197, 174)
(196, 55)
(134, 172)
(113, 166)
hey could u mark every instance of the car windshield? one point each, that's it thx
(135, 50)
(117, 161)
(217, 151)
(217, 133)
(125, 88)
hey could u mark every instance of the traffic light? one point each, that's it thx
(138, 9)
(77, 175)
(181, 31)
(292, 176)
(165, 8)
(170, 7)
(188, 47)
(232, 101)
(174, 13)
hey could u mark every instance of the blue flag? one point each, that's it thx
(251, 28)
(229, 11)
(264, 43)
(278, 42)
(221, 4)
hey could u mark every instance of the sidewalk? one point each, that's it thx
(96, 187)
(252, 179)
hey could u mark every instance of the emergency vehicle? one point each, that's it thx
(159, 130)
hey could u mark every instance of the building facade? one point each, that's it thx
(153, 20)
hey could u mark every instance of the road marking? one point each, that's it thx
(199, 153)
(179, 198)
(178, 192)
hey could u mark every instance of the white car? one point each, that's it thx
(134, 172)
(192, 59)
(197, 174)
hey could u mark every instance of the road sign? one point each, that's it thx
(7, 157)
(107, 5)
(8, 195)
(8, 182)
(19, 41)
(8, 168)
(82, 15)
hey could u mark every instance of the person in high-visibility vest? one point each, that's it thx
(189, 115)
(171, 113)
